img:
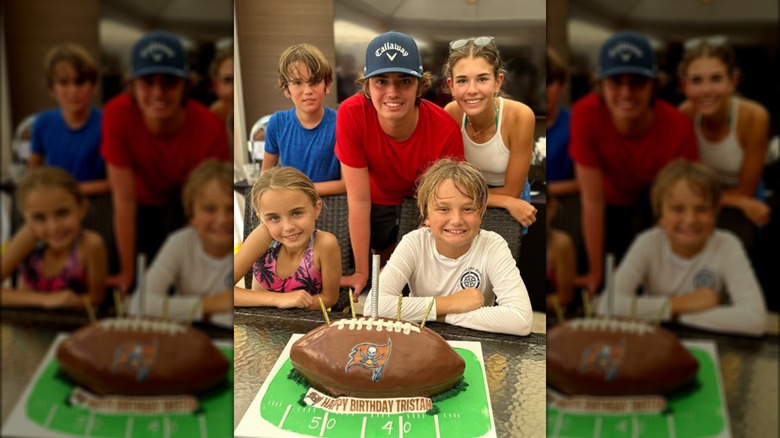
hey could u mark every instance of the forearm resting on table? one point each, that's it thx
(254, 298)
(29, 298)
(221, 302)
(263, 298)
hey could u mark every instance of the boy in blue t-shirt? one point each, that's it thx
(69, 136)
(304, 137)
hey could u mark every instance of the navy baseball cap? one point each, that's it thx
(159, 52)
(392, 52)
(627, 52)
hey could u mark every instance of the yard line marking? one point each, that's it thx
(129, 428)
(436, 425)
(324, 422)
(50, 416)
(204, 432)
(597, 430)
(363, 429)
(90, 423)
(284, 417)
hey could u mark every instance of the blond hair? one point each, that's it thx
(701, 179)
(311, 57)
(47, 178)
(76, 56)
(466, 177)
(206, 171)
(282, 178)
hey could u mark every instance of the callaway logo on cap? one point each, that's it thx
(158, 52)
(393, 52)
(627, 52)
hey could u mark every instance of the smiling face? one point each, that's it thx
(54, 216)
(306, 96)
(71, 92)
(454, 220)
(393, 96)
(688, 218)
(473, 85)
(708, 85)
(212, 218)
(289, 216)
(159, 96)
(628, 96)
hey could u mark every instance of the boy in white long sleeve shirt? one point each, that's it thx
(689, 271)
(196, 261)
(465, 270)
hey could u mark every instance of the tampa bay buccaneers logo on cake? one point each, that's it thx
(136, 357)
(604, 357)
(370, 356)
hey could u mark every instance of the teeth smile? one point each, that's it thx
(393, 104)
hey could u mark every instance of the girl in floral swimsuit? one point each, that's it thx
(58, 261)
(293, 263)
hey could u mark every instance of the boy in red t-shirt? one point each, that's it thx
(386, 136)
(621, 137)
(152, 137)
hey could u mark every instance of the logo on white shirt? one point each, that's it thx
(471, 278)
(705, 278)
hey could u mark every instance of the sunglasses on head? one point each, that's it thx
(712, 41)
(478, 41)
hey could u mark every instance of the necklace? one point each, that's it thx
(495, 118)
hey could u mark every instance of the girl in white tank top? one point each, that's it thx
(732, 131)
(497, 132)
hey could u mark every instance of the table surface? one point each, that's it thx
(27, 335)
(514, 365)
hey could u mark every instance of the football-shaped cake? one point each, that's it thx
(616, 357)
(138, 356)
(376, 358)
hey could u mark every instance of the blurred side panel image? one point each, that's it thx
(117, 218)
(663, 164)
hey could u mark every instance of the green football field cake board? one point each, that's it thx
(43, 410)
(699, 411)
(275, 410)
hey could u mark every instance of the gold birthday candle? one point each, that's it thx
(558, 310)
(351, 303)
(398, 313)
(427, 312)
(324, 312)
(90, 309)
(586, 303)
(661, 312)
(165, 307)
(193, 312)
(118, 304)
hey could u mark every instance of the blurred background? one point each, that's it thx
(577, 28)
(107, 29)
(343, 28)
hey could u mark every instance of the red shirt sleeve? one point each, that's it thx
(350, 124)
(113, 143)
(583, 118)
